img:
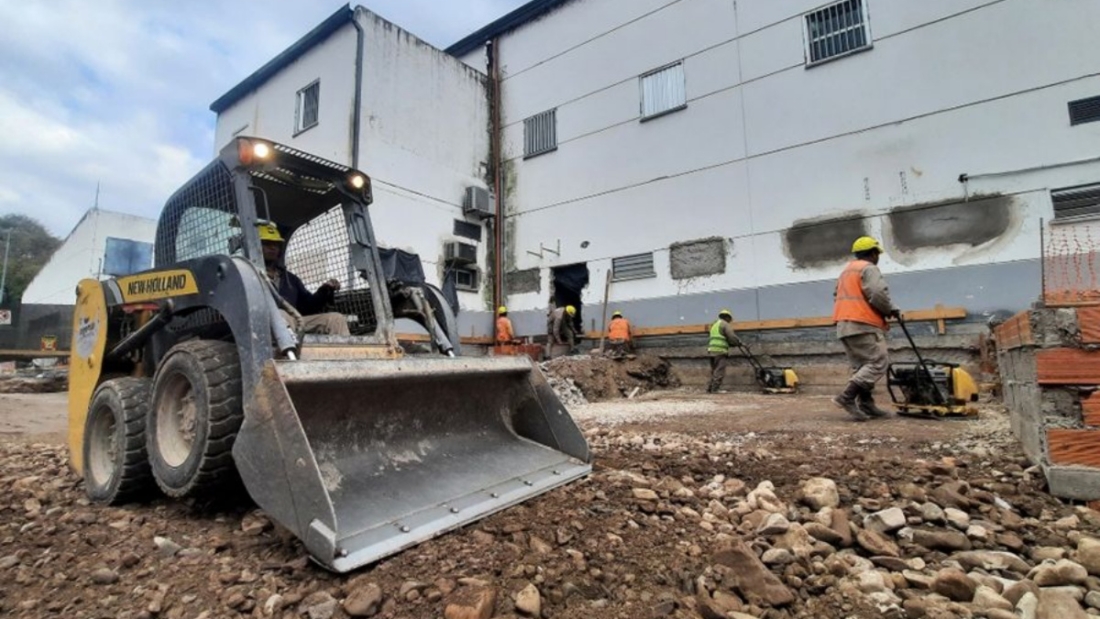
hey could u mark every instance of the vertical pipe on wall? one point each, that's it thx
(357, 112)
(497, 157)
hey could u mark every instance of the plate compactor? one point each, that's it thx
(931, 388)
(193, 377)
(771, 379)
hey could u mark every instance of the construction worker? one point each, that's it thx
(722, 338)
(559, 327)
(619, 338)
(505, 333)
(860, 311)
(309, 305)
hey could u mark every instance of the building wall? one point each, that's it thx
(423, 136)
(81, 255)
(788, 163)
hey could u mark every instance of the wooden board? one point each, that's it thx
(1074, 447)
(33, 354)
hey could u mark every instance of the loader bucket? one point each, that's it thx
(364, 458)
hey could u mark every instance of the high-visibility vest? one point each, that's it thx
(504, 330)
(619, 330)
(718, 342)
(851, 305)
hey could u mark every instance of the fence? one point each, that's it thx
(1071, 263)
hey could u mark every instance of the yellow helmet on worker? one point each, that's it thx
(616, 314)
(502, 310)
(866, 243)
(269, 232)
(725, 312)
(569, 309)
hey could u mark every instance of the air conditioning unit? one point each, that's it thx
(460, 253)
(479, 201)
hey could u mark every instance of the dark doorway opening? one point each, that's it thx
(569, 282)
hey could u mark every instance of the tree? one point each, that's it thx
(31, 247)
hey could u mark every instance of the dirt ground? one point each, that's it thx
(690, 493)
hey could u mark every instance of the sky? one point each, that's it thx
(116, 93)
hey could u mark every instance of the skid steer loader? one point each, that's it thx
(189, 377)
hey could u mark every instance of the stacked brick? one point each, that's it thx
(1049, 361)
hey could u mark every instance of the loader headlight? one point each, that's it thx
(253, 151)
(357, 181)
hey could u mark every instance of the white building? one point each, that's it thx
(714, 154)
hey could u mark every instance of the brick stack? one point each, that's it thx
(1049, 363)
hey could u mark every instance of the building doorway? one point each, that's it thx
(568, 285)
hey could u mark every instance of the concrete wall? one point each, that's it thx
(81, 255)
(423, 136)
(789, 163)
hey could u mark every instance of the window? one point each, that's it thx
(1084, 111)
(540, 133)
(836, 30)
(663, 91)
(308, 110)
(126, 257)
(466, 279)
(467, 230)
(638, 266)
(1080, 201)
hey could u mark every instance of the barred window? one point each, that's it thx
(540, 133)
(308, 111)
(836, 30)
(637, 266)
(663, 91)
(1080, 201)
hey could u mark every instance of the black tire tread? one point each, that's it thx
(135, 476)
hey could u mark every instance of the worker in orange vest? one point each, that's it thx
(505, 333)
(860, 311)
(618, 335)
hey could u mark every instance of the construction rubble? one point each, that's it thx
(602, 378)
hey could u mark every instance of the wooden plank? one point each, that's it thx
(1067, 366)
(421, 338)
(1088, 319)
(1074, 447)
(33, 354)
(937, 314)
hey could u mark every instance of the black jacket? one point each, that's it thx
(294, 291)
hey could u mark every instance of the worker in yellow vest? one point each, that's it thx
(722, 338)
(505, 333)
(619, 338)
(860, 311)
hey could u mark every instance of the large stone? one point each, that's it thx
(645, 494)
(954, 585)
(1063, 572)
(987, 599)
(719, 606)
(774, 524)
(930, 512)
(1028, 606)
(1088, 555)
(935, 539)
(957, 518)
(823, 533)
(763, 498)
(818, 492)
(950, 495)
(319, 605)
(1093, 599)
(877, 544)
(996, 613)
(1058, 605)
(751, 578)
(364, 601)
(474, 604)
(842, 526)
(529, 601)
(797, 541)
(1014, 592)
(870, 581)
(991, 560)
(918, 580)
(886, 520)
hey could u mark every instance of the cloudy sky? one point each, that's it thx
(117, 92)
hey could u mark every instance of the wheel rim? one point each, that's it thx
(176, 418)
(103, 446)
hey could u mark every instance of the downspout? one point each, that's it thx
(495, 144)
(360, 38)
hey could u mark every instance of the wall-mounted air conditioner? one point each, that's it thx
(478, 201)
(460, 253)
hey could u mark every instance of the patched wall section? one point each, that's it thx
(698, 258)
(822, 242)
(521, 282)
(971, 223)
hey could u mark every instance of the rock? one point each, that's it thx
(364, 601)
(842, 526)
(529, 602)
(775, 524)
(166, 547)
(1093, 599)
(751, 578)
(777, 556)
(273, 604)
(1069, 522)
(918, 580)
(941, 539)
(955, 585)
(1047, 553)
(886, 520)
(104, 576)
(1088, 555)
(483, 538)
(910, 491)
(821, 532)
(797, 541)
(476, 604)
(540, 545)
(996, 613)
(763, 498)
(1076, 593)
(645, 494)
(819, 492)
(255, 523)
(987, 599)
(8, 562)
(894, 564)
(1014, 592)
(719, 606)
(957, 518)
(1062, 572)
(930, 512)
(990, 560)
(978, 533)
(871, 581)
(950, 495)
(1028, 606)
(877, 544)
(319, 605)
(1058, 605)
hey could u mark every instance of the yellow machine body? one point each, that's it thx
(85, 361)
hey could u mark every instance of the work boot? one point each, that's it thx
(866, 402)
(847, 401)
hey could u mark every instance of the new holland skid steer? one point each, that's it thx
(190, 378)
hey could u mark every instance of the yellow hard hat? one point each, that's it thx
(617, 315)
(569, 309)
(502, 310)
(725, 312)
(865, 243)
(269, 232)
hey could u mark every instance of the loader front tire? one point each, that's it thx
(116, 466)
(194, 418)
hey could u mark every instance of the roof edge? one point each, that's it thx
(526, 13)
(343, 16)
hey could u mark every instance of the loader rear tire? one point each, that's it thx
(194, 419)
(116, 466)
